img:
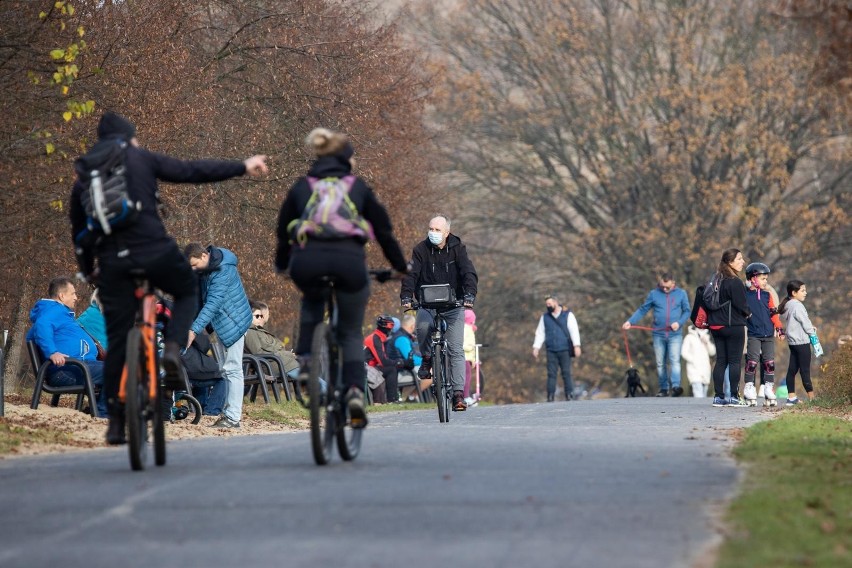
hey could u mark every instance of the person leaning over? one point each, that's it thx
(143, 245)
(58, 335)
(225, 308)
(671, 310)
(558, 331)
(442, 258)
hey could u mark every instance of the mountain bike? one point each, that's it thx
(325, 400)
(442, 386)
(140, 388)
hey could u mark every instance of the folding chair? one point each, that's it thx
(41, 365)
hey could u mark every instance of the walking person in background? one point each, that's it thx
(469, 352)
(799, 332)
(763, 326)
(558, 331)
(697, 349)
(671, 310)
(225, 307)
(727, 326)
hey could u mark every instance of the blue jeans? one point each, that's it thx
(555, 361)
(69, 375)
(668, 348)
(211, 394)
(231, 361)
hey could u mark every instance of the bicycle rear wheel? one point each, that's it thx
(187, 407)
(136, 400)
(438, 372)
(348, 438)
(322, 421)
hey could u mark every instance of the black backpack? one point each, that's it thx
(710, 293)
(106, 197)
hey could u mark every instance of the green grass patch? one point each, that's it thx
(12, 437)
(795, 508)
(288, 413)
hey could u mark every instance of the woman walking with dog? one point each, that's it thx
(728, 327)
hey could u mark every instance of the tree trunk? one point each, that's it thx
(14, 346)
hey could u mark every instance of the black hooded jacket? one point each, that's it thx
(147, 236)
(362, 197)
(433, 265)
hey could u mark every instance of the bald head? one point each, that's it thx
(439, 228)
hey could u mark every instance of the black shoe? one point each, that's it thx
(459, 405)
(662, 393)
(677, 391)
(425, 370)
(173, 366)
(115, 431)
(356, 408)
(550, 397)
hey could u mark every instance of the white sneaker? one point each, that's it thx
(760, 391)
(769, 395)
(750, 394)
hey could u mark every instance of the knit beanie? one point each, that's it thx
(115, 125)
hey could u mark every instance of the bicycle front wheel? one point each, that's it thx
(136, 400)
(438, 372)
(320, 390)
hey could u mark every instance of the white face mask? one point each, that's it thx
(435, 237)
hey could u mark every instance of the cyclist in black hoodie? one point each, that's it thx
(145, 245)
(442, 258)
(309, 259)
(728, 328)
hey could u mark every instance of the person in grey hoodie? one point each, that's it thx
(799, 329)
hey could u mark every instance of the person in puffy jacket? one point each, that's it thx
(728, 328)
(696, 351)
(225, 308)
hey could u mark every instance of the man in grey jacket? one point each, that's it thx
(224, 307)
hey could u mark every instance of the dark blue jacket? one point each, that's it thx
(225, 304)
(556, 332)
(760, 323)
(56, 331)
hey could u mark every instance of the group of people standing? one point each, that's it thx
(748, 320)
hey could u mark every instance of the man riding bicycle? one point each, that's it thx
(311, 251)
(143, 246)
(442, 259)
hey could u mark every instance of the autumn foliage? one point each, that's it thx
(225, 79)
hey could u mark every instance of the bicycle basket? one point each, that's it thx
(437, 296)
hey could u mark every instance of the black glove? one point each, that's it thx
(469, 299)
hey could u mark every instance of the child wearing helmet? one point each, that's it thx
(763, 326)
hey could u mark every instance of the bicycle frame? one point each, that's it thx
(146, 320)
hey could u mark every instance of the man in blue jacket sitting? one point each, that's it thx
(58, 335)
(225, 307)
(671, 310)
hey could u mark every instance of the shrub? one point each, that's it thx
(836, 376)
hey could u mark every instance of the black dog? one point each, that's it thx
(633, 382)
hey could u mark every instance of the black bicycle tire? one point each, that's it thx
(322, 421)
(448, 386)
(158, 426)
(135, 403)
(195, 407)
(438, 379)
(348, 438)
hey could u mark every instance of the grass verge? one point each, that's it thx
(12, 436)
(795, 508)
(289, 413)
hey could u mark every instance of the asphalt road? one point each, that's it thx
(603, 483)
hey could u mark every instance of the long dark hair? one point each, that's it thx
(728, 257)
(792, 286)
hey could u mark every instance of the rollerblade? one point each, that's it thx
(769, 395)
(750, 394)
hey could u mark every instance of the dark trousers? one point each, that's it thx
(307, 268)
(729, 354)
(170, 273)
(391, 375)
(800, 362)
(555, 361)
